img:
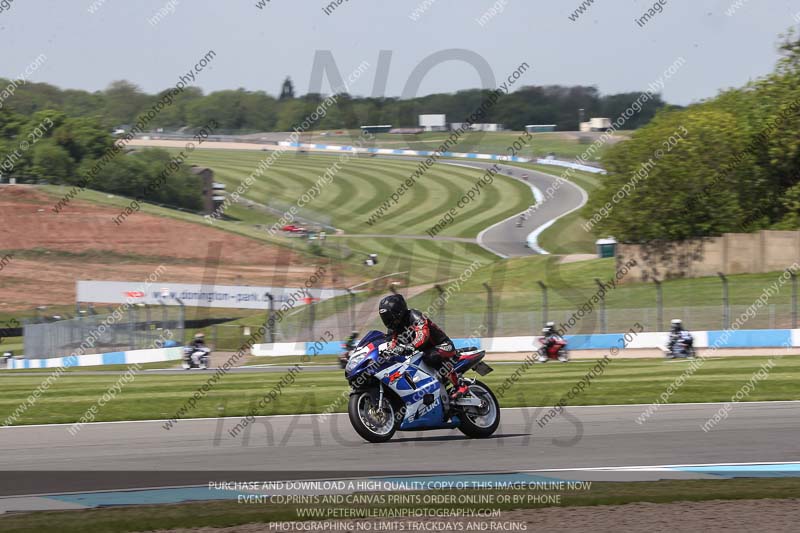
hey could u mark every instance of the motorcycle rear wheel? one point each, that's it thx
(485, 424)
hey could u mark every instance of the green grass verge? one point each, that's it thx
(360, 185)
(160, 396)
(220, 514)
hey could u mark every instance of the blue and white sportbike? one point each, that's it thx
(393, 392)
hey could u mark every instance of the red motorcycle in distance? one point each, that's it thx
(556, 351)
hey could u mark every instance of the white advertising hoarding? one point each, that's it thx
(195, 294)
(432, 121)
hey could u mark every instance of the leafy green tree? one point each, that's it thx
(52, 162)
(123, 101)
(689, 191)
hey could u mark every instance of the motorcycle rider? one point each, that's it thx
(411, 330)
(679, 335)
(551, 337)
(198, 346)
(350, 343)
(348, 346)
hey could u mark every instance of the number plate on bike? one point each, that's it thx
(482, 368)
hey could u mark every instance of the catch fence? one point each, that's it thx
(133, 328)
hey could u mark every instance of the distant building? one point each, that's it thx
(596, 124)
(487, 127)
(540, 128)
(407, 131)
(383, 128)
(433, 122)
(213, 193)
(477, 127)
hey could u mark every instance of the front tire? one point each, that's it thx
(371, 423)
(481, 424)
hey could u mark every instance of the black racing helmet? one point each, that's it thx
(393, 310)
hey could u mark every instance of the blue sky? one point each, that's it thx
(256, 48)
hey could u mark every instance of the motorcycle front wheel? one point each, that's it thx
(374, 423)
(480, 422)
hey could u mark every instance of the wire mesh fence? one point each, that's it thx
(499, 310)
(513, 313)
(132, 328)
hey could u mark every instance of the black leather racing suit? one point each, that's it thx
(424, 335)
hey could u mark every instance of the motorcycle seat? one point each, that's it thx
(468, 359)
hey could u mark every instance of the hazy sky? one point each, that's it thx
(256, 48)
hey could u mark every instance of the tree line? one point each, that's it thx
(736, 168)
(242, 110)
(66, 148)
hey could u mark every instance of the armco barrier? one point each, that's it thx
(154, 355)
(391, 151)
(574, 166)
(279, 348)
(756, 338)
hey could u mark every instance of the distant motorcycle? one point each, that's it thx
(203, 358)
(556, 351)
(347, 346)
(679, 349)
(391, 392)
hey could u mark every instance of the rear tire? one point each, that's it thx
(478, 427)
(357, 409)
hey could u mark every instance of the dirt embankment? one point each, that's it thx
(50, 251)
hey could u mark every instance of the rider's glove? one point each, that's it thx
(403, 349)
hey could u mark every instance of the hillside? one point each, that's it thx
(50, 251)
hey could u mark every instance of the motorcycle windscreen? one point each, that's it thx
(374, 336)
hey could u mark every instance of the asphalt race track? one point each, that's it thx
(505, 238)
(309, 447)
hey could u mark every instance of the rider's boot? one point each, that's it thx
(460, 388)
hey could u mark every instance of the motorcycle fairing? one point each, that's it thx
(412, 380)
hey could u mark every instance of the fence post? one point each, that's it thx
(148, 326)
(440, 318)
(602, 306)
(352, 309)
(794, 300)
(544, 302)
(182, 320)
(489, 310)
(270, 324)
(659, 306)
(726, 317)
(132, 318)
(311, 318)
